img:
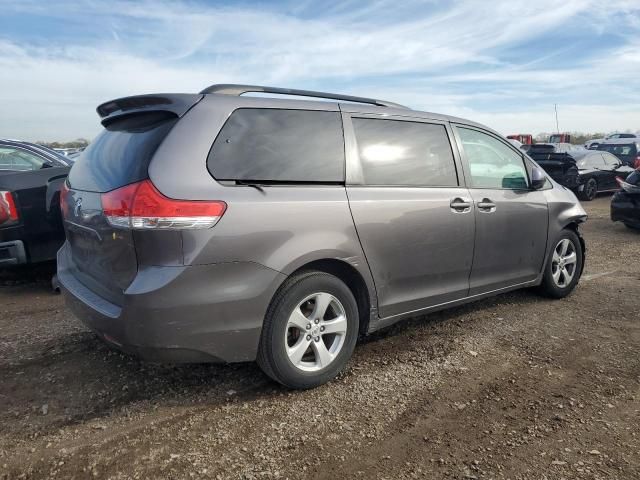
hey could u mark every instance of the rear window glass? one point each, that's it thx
(121, 154)
(279, 146)
(396, 152)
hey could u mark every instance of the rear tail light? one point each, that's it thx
(141, 206)
(636, 164)
(8, 210)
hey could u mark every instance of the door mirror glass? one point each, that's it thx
(538, 178)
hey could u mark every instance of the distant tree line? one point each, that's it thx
(78, 143)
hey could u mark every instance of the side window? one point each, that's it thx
(262, 144)
(493, 164)
(396, 152)
(19, 160)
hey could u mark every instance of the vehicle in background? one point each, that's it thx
(625, 204)
(626, 150)
(557, 162)
(523, 138)
(598, 172)
(586, 172)
(515, 143)
(38, 149)
(593, 144)
(31, 228)
(560, 138)
(235, 228)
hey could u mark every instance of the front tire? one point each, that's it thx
(309, 332)
(590, 190)
(564, 266)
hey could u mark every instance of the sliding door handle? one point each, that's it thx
(486, 205)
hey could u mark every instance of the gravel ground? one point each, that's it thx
(512, 387)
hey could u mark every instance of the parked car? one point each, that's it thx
(625, 204)
(31, 228)
(625, 150)
(598, 172)
(594, 143)
(586, 172)
(557, 162)
(222, 227)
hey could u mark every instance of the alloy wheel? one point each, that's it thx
(316, 331)
(564, 263)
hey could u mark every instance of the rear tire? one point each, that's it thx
(564, 266)
(590, 190)
(309, 332)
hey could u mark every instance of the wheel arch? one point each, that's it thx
(353, 279)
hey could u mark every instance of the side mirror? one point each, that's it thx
(538, 178)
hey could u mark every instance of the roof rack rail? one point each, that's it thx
(232, 89)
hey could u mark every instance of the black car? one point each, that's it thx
(625, 204)
(30, 222)
(557, 162)
(597, 173)
(586, 172)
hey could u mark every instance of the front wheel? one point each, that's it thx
(590, 190)
(309, 332)
(564, 266)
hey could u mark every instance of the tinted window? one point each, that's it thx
(493, 164)
(396, 152)
(279, 146)
(121, 153)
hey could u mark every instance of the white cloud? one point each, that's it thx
(449, 60)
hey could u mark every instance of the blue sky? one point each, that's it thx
(504, 63)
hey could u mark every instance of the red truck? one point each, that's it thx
(523, 138)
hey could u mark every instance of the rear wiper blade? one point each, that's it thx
(249, 183)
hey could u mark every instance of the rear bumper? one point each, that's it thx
(205, 313)
(626, 208)
(12, 253)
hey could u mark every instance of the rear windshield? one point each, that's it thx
(274, 145)
(121, 154)
(619, 150)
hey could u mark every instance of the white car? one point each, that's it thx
(593, 144)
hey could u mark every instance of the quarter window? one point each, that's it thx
(493, 164)
(279, 146)
(394, 152)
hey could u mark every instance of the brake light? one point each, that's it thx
(141, 206)
(8, 209)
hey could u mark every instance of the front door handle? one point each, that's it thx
(460, 205)
(486, 205)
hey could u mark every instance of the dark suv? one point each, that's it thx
(221, 227)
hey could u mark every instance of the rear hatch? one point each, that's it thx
(104, 256)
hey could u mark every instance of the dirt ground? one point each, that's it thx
(515, 387)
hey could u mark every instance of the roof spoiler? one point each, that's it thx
(176, 103)
(237, 90)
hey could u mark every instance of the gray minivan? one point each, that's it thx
(224, 227)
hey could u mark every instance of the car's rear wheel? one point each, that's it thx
(564, 266)
(590, 190)
(310, 331)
